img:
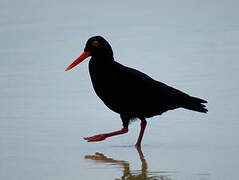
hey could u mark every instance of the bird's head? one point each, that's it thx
(96, 46)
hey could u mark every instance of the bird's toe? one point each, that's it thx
(99, 137)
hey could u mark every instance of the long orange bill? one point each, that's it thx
(83, 56)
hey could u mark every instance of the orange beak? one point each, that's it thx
(83, 56)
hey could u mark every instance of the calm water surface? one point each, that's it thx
(46, 112)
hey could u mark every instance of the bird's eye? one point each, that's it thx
(95, 43)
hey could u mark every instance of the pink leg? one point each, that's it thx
(143, 126)
(101, 137)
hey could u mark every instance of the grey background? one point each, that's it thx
(192, 45)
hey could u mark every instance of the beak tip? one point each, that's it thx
(83, 56)
(68, 68)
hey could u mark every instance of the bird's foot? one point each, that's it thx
(99, 137)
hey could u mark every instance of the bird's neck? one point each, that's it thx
(99, 66)
(100, 70)
(101, 61)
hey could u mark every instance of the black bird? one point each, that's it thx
(128, 91)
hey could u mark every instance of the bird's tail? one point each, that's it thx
(195, 104)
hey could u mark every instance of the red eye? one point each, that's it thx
(95, 43)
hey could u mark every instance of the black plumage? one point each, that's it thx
(129, 92)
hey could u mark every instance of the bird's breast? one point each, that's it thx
(105, 81)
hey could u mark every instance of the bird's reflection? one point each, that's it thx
(129, 174)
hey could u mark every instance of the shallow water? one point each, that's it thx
(46, 112)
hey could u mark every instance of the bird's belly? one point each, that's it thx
(115, 98)
(125, 101)
(115, 101)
